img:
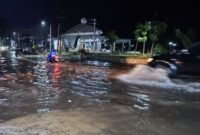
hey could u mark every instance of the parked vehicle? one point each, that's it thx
(186, 61)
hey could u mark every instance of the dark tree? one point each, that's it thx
(4, 28)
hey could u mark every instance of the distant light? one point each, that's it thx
(174, 44)
(43, 23)
(14, 33)
(69, 101)
(170, 43)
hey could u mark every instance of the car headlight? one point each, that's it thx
(149, 60)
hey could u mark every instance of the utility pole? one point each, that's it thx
(94, 34)
(50, 31)
(59, 42)
(84, 21)
(0, 41)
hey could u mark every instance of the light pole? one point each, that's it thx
(174, 45)
(18, 38)
(0, 41)
(170, 46)
(84, 21)
(50, 31)
(14, 39)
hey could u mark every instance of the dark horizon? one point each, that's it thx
(118, 15)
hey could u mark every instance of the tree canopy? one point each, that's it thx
(185, 40)
(111, 37)
(4, 28)
(157, 28)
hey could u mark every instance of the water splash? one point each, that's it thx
(147, 76)
(143, 75)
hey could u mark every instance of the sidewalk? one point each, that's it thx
(33, 56)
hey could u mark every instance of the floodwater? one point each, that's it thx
(94, 98)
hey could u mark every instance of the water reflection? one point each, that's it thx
(56, 76)
(143, 101)
(42, 79)
(48, 80)
(97, 63)
(91, 82)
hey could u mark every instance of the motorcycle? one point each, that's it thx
(53, 58)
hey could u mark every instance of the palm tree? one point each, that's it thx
(156, 30)
(137, 37)
(141, 34)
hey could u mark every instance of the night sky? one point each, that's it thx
(119, 15)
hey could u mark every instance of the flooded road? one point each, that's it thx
(94, 98)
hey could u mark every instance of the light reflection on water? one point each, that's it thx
(142, 99)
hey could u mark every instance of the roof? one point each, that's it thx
(91, 37)
(121, 41)
(83, 29)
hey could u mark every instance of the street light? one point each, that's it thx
(43, 23)
(171, 45)
(84, 21)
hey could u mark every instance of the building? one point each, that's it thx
(83, 36)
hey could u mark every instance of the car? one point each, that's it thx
(186, 61)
